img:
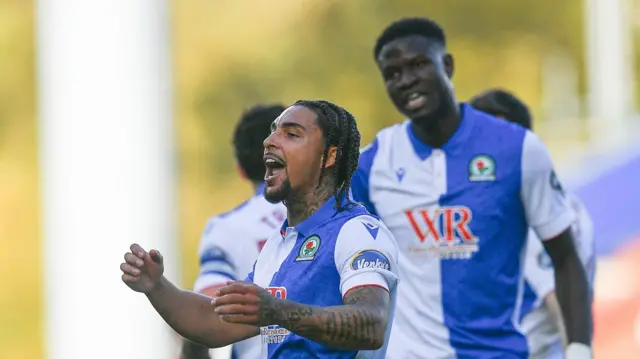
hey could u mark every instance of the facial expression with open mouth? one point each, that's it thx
(292, 153)
(416, 73)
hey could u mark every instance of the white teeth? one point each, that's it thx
(270, 161)
(414, 96)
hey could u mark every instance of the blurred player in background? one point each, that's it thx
(542, 320)
(231, 241)
(323, 285)
(459, 190)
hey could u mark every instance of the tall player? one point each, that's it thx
(459, 189)
(231, 241)
(324, 285)
(541, 318)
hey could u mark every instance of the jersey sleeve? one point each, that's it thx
(538, 269)
(366, 254)
(360, 179)
(217, 256)
(546, 206)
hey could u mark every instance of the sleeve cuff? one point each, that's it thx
(364, 279)
(554, 227)
(578, 351)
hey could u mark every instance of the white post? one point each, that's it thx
(610, 75)
(106, 153)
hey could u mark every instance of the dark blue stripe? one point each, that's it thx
(226, 274)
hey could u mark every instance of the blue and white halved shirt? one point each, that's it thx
(460, 215)
(316, 263)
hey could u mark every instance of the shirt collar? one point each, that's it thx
(457, 140)
(327, 211)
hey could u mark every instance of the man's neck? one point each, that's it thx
(301, 206)
(436, 131)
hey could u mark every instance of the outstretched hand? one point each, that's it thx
(246, 303)
(142, 270)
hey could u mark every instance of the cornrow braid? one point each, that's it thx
(340, 130)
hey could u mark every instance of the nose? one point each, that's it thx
(269, 142)
(407, 79)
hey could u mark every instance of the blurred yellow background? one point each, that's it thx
(231, 54)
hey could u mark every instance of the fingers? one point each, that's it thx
(128, 269)
(133, 260)
(137, 250)
(156, 256)
(234, 309)
(235, 287)
(240, 318)
(128, 278)
(229, 299)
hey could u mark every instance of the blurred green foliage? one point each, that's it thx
(231, 54)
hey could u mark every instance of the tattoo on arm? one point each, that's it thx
(359, 324)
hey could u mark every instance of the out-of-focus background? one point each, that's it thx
(227, 55)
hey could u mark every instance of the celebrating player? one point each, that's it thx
(541, 318)
(231, 241)
(324, 284)
(459, 189)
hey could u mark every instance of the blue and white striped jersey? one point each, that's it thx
(460, 215)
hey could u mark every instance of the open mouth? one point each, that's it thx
(274, 166)
(415, 101)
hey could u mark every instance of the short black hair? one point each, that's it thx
(408, 27)
(499, 102)
(339, 129)
(252, 129)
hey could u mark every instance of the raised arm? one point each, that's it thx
(188, 313)
(219, 255)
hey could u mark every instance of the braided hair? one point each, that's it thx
(339, 129)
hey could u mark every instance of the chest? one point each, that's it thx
(300, 269)
(448, 203)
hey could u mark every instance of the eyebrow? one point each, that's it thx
(287, 124)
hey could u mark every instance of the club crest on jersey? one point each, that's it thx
(370, 259)
(443, 232)
(482, 168)
(308, 249)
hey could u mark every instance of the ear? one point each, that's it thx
(448, 63)
(331, 156)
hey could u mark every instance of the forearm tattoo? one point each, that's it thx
(359, 324)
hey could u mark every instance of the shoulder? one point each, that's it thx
(363, 228)
(535, 155)
(486, 126)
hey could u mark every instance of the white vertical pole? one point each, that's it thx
(610, 75)
(106, 152)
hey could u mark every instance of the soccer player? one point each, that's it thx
(231, 241)
(541, 317)
(324, 284)
(459, 190)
